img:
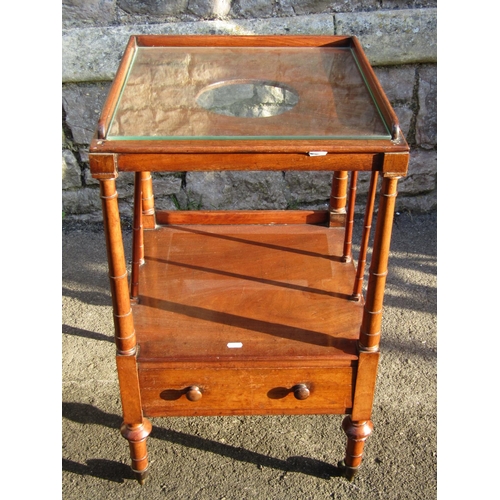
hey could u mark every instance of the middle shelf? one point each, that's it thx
(246, 293)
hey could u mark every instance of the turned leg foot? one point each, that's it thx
(356, 432)
(136, 435)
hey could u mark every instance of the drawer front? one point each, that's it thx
(260, 391)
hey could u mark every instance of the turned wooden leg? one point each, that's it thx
(347, 255)
(338, 199)
(357, 432)
(138, 239)
(148, 205)
(135, 427)
(136, 436)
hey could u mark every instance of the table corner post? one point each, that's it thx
(338, 199)
(135, 427)
(372, 314)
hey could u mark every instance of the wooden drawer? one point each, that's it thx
(248, 391)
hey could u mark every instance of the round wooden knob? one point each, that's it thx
(193, 393)
(301, 391)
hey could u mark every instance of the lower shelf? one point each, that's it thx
(246, 313)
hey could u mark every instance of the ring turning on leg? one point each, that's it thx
(356, 432)
(136, 435)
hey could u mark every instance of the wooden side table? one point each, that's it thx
(247, 312)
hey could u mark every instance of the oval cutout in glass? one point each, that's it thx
(248, 98)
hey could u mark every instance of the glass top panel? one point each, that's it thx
(175, 93)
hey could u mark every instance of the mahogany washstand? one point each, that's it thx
(248, 311)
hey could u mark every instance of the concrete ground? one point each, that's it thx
(235, 458)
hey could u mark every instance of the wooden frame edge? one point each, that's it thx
(116, 87)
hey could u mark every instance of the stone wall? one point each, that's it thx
(399, 37)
